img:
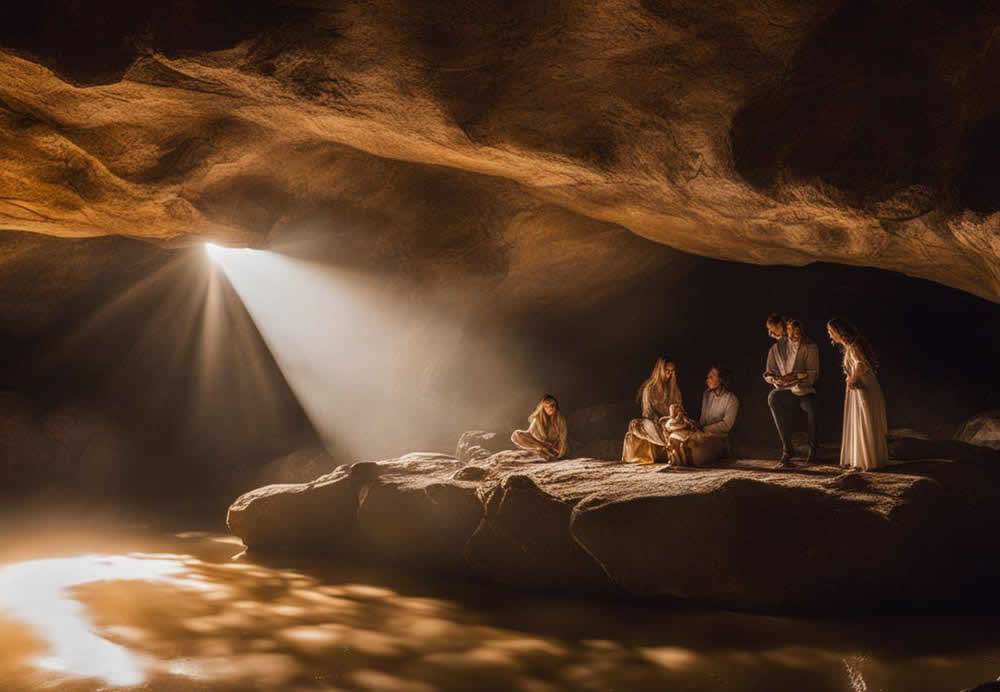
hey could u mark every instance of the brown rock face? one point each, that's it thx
(744, 536)
(472, 134)
(982, 429)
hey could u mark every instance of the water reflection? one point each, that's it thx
(174, 621)
(37, 592)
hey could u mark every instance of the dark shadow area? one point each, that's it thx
(980, 177)
(935, 343)
(134, 371)
(877, 100)
(91, 43)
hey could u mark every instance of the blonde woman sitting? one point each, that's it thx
(644, 438)
(547, 431)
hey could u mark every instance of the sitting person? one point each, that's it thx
(719, 407)
(792, 369)
(547, 430)
(644, 438)
(676, 429)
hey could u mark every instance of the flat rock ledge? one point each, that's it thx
(743, 536)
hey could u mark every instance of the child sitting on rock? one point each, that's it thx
(677, 428)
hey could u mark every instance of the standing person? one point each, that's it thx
(719, 407)
(644, 438)
(865, 444)
(547, 430)
(792, 369)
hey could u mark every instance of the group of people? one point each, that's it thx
(664, 432)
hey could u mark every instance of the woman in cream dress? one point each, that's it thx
(547, 431)
(864, 445)
(645, 438)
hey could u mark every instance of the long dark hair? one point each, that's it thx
(852, 337)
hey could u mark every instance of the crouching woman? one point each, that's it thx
(547, 431)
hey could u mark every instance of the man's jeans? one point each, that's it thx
(782, 403)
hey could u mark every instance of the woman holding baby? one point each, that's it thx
(645, 440)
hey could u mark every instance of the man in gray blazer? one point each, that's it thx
(792, 369)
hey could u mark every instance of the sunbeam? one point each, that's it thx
(359, 352)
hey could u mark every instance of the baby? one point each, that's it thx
(676, 430)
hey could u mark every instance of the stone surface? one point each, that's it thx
(781, 133)
(982, 429)
(300, 517)
(744, 536)
(412, 516)
(474, 445)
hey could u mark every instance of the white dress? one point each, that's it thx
(865, 442)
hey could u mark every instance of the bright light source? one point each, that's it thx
(41, 593)
(222, 254)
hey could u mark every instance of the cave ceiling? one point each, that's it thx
(511, 138)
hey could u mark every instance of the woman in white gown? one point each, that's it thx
(864, 445)
(644, 440)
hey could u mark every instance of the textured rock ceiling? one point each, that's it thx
(448, 133)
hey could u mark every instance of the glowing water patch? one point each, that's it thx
(37, 593)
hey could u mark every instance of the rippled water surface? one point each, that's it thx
(104, 605)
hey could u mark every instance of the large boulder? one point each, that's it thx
(982, 429)
(411, 512)
(320, 516)
(755, 539)
(522, 538)
(743, 536)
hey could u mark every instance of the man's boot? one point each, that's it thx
(784, 461)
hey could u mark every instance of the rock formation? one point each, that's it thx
(782, 132)
(982, 429)
(743, 536)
